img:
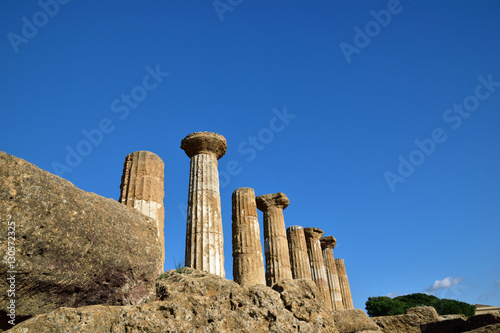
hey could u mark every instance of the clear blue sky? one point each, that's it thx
(362, 89)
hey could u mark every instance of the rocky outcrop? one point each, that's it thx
(409, 322)
(478, 323)
(495, 328)
(424, 319)
(72, 248)
(354, 320)
(188, 300)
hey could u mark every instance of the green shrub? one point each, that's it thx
(386, 306)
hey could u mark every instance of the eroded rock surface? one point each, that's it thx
(409, 322)
(354, 320)
(73, 248)
(477, 323)
(196, 301)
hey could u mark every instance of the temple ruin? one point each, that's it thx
(297, 247)
(248, 262)
(275, 241)
(344, 284)
(204, 239)
(142, 188)
(296, 252)
(318, 270)
(327, 245)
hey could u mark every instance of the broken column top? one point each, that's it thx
(328, 242)
(204, 143)
(315, 233)
(149, 153)
(243, 190)
(269, 200)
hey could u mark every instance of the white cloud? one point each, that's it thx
(392, 295)
(445, 283)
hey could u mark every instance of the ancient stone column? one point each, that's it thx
(142, 188)
(344, 284)
(297, 248)
(204, 241)
(318, 270)
(248, 262)
(327, 245)
(275, 242)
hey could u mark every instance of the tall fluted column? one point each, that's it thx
(327, 245)
(248, 263)
(142, 188)
(204, 241)
(299, 259)
(275, 242)
(318, 270)
(344, 284)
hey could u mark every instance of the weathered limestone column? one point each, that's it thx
(142, 188)
(204, 240)
(248, 262)
(318, 270)
(344, 285)
(299, 259)
(327, 245)
(275, 242)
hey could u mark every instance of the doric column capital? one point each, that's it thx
(328, 242)
(204, 143)
(204, 237)
(314, 233)
(264, 202)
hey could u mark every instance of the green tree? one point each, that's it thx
(386, 306)
(449, 306)
(383, 306)
(417, 299)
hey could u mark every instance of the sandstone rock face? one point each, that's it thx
(424, 319)
(73, 248)
(425, 313)
(204, 238)
(196, 301)
(142, 188)
(354, 320)
(409, 322)
(495, 328)
(479, 323)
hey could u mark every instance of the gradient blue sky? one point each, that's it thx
(356, 94)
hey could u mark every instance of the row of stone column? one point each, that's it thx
(294, 253)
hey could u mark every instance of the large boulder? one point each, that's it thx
(354, 320)
(410, 322)
(193, 301)
(480, 322)
(303, 299)
(72, 248)
(495, 328)
(424, 319)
